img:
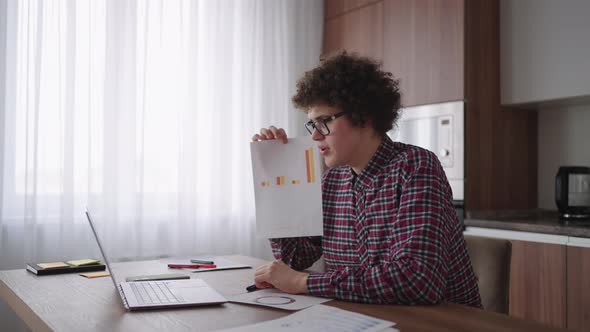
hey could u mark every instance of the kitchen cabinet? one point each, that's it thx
(423, 47)
(335, 8)
(538, 282)
(548, 277)
(500, 143)
(443, 51)
(420, 42)
(545, 53)
(578, 287)
(359, 31)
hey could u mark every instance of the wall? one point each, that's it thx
(564, 138)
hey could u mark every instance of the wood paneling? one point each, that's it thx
(500, 143)
(538, 282)
(578, 288)
(424, 47)
(333, 8)
(359, 31)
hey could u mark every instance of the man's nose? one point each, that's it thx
(316, 136)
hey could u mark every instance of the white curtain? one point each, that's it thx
(142, 111)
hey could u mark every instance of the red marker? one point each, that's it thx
(207, 266)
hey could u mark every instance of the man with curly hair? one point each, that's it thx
(391, 233)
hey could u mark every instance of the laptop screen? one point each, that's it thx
(106, 261)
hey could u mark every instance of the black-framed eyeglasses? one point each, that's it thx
(321, 125)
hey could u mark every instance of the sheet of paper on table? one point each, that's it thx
(320, 318)
(274, 298)
(287, 188)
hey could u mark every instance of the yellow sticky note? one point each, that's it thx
(81, 262)
(95, 274)
(52, 265)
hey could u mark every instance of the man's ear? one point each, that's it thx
(368, 125)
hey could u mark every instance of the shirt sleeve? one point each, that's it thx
(415, 272)
(298, 252)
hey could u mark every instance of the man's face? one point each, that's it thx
(340, 146)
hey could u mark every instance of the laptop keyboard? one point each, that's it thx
(153, 292)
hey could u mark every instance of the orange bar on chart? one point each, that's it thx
(312, 164)
(307, 165)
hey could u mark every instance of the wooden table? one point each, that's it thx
(69, 302)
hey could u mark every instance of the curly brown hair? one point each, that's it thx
(356, 85)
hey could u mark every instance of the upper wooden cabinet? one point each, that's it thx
(359, 31)
(420, 42)
(335, 8)
(423, 46)
(444, 50)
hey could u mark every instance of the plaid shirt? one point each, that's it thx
(391, 234)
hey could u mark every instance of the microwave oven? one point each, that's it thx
(439, 128)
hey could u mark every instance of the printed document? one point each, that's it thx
(320, 318)
(287, 188)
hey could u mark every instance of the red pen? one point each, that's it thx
(207, 266)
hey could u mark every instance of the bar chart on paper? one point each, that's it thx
(309, 170)
(287, 188)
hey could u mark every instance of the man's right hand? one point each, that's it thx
(271, 132)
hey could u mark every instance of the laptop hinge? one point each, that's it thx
(122, 296)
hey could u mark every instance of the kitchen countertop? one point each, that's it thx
(534, 221)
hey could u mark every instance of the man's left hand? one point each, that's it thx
(277, 274)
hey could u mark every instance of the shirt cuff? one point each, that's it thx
(320, 284)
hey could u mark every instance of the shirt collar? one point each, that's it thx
(380, 159)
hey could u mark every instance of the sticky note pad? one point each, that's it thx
(52, 265)
(95, 274)
(81, 262)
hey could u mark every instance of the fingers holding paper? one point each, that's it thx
(271, 132)
(277, 274)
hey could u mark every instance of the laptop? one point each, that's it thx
(140, 295)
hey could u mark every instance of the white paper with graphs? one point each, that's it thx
(287, 188)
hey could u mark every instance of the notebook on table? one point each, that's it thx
(42, 269)
(139, 295)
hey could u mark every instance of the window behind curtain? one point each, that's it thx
(143, 110)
